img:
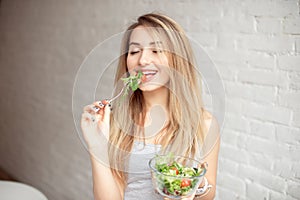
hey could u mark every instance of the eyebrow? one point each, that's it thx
(151, 43)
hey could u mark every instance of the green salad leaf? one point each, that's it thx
(132, 82)
(176, 179)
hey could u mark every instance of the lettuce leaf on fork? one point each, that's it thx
(132, 82)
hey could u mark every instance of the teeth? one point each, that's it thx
(149, 72)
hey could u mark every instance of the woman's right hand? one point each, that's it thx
(95, 123)
(95, 126)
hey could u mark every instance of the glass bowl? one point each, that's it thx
(176, 177)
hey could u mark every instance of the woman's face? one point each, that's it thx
(144, 55)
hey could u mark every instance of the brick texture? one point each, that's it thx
(255, 46)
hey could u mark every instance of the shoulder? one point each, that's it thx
(211, 145)
(210, 122)
(207, 116)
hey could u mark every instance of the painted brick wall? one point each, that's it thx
(256, 48)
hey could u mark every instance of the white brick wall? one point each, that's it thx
(255, 45)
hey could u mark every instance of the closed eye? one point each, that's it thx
(133, 52)
(157, 51)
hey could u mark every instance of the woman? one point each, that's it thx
(165, 114)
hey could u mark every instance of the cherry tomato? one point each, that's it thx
(174, 168)
(185, 183)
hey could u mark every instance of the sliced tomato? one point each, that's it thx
(185, 183)
(174, 168)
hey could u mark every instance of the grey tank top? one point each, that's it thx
(139, 184)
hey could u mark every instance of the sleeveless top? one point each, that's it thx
(139, 183)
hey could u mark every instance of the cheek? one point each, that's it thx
(164, 60)
(130, 64)
(165, 77)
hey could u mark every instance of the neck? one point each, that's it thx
(159, 97)
(156, 112)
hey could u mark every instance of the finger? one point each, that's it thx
(102, 104)
(87, 108)
(91, 109)
(110, 106)
(106, 115)
(91, 116)
(105, 102)
(86, 119)
(99, 103)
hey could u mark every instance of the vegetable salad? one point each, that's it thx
(176, 179)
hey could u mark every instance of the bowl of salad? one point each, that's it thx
(176, 177)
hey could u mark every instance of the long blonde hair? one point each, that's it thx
(184, 132)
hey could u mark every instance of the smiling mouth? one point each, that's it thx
(149, 74)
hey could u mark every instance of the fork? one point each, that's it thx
(125, 86)
(108, 101)
(114, 98)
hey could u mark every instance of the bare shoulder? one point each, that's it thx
(207, 115)
(210, 122)
(212, 137)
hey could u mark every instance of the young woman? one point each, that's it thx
(165, 114)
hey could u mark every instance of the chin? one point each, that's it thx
(148, 87)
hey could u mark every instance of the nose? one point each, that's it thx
(145, 58)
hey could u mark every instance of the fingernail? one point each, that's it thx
(101, 104)
(105, 102)
(96, 109)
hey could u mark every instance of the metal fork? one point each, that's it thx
(114, 98)
(125, 86)
(108, 101)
